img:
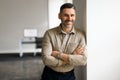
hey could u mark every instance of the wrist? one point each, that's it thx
(59, 55)
(65, 57)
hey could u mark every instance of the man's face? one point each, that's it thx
(67, 17)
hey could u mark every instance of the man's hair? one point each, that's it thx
(67, 5)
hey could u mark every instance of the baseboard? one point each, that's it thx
(18, 54)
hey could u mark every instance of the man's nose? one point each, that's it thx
(69, 17)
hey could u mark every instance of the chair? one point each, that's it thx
(38, 41)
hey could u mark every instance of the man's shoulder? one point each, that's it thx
(79, 31)
(53, 30)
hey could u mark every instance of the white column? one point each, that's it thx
(103, 39)
(69, 1)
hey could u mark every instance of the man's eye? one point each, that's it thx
(65, 15)
(72, 15)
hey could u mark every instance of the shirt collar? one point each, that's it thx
(61, 31)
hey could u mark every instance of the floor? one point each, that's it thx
(28, 67)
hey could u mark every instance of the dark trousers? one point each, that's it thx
(49, 74)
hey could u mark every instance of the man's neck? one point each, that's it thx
(67, 29)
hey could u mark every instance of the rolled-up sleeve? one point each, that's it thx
(77, 60)
(81, 59)
(47, 50)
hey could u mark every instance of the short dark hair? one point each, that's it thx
(67, 5)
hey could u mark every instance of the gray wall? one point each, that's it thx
(17, 15)
(81, 14)
(81, 71)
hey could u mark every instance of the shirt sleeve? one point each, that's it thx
(47, 50)
(77, 60)
(81, 59)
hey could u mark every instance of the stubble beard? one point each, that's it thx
(69, 25)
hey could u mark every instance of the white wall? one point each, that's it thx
(17, 15)
(103, 29)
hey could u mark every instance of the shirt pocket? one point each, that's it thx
(71, 47)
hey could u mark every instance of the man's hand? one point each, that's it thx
(55, 54)
(78, 51)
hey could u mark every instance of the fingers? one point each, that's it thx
(54, 53)
(79, 50)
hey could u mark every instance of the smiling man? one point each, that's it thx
(63, 47)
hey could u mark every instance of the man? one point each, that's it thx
(63, 47)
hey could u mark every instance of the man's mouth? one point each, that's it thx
(68, 21)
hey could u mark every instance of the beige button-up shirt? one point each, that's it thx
(57, 39)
